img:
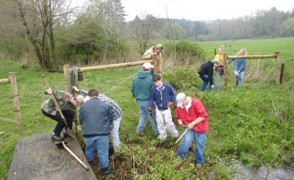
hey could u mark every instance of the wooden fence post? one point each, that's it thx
(14, 98)
(282, 73)
(156, 62)
(74, 76)
(277, 67)
(66, 72)
(226, 73)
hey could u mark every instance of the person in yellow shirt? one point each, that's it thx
(219, 68)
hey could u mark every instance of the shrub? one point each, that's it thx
(184, 52)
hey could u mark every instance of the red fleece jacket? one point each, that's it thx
(196, 110)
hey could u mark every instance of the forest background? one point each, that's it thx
(52, 34)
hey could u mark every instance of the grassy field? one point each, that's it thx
(253, 125)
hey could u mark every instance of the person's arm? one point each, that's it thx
(133, 89)
(173, 95)
(201, 114)
(83, 92)
(148, 54)
(210, 75)
(195, 122)
(81, 116)
(151, 101)
(110, 116)
(181, 124)
(243, 65)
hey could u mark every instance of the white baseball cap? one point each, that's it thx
(180, 99)
(147, 65)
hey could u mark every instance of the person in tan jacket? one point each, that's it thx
(154, 52)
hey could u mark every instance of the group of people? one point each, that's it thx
(101, 116)
(152, 94)
(206, 70)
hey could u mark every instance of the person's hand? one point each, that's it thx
(181, 124)
(170, 104)
(79, 128)
(190, 126)
(154, 55)
(75, 88)
(49, 91)
(150, 109)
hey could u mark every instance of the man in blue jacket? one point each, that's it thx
(96, 119)
(141, 88)
(163, 97)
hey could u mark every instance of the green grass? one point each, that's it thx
(253, 125)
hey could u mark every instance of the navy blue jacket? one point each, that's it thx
(162, 96)
(96, 118)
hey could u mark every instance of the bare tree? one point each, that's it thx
(144, 30)
(37, 17)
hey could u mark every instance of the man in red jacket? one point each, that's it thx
(192, 115)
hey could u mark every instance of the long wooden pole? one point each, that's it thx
(110, 66)
(4, 81)
(75, 156)
(182, 135)
(253, 57)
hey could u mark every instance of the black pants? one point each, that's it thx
(68, 115)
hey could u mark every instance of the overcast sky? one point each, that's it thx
(198, 10)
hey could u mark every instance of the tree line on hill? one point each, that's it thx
(53, 33)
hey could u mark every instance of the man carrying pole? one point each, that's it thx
(192, 115)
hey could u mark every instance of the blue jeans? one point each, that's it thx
(115, 134)
(218, 79)
(69, 116)
(205, 82)
(200, 139)
(101, 144)
(144, 113)
(239, 77)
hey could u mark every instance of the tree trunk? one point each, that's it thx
(34, 42)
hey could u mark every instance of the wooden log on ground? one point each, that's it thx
(37, 157)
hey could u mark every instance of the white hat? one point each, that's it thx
(180, 99)
(147, 66)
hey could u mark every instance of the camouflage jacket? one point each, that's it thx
(63, 100)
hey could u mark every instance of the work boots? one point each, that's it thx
(55, 137)
(106, 171)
